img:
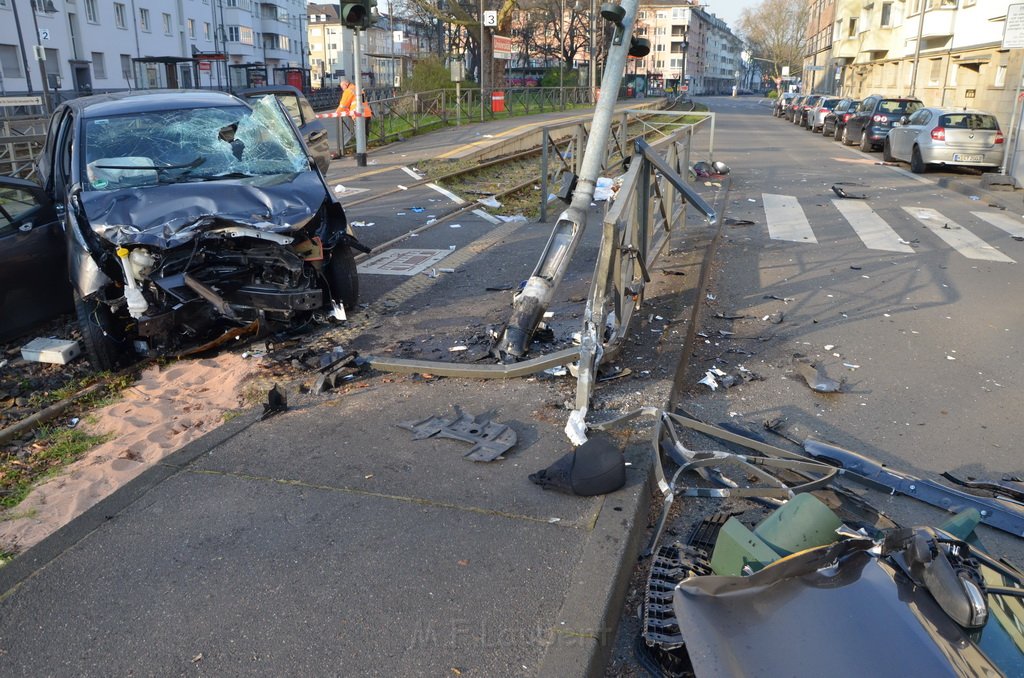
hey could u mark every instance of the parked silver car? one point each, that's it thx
(816, 116)
(946, 136)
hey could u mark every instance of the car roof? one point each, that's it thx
(121, 103)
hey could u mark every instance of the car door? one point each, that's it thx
(901, 139)
(34, 283)
(312, 129)
(855, 125)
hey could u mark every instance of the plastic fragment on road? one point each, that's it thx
(815, 376)
(491, 202)
(838, 190)
(709, 380)
(51, 350)
(277, 402)
(490, 439)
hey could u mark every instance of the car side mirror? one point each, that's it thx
(904, 120)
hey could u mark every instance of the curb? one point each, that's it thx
(37, 557)
(582, 640)
(974, 191)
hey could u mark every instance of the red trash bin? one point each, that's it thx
(498, 102)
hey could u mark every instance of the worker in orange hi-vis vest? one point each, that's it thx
(346, 106)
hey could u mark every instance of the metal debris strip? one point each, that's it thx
(490, 440)
(665, 438)
(1007, 516)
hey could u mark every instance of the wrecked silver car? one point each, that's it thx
(191, 214)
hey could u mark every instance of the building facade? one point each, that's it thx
(945, 52)
(98, 45)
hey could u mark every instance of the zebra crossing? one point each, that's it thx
(786, 220)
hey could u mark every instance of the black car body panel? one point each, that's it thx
(33, 276)
(836, 119)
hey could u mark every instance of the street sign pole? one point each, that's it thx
(359, 121)
(1013, 38)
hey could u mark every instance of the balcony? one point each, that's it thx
(937, 23)
(846, 47)
(877, 40)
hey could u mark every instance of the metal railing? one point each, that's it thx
(565, 144)
(21, 140)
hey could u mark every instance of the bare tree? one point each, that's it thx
(776, 31)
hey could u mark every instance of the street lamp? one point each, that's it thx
(40, 51)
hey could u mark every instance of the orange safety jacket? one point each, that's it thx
(348, 99)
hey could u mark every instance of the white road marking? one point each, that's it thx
(1004, 221)
(411, 173)
(786, 219)
(873, 231)
(448, 194)
(956, 236)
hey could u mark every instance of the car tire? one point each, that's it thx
(837, 134)
(917, 165)
(846, 137)
(865, 143)
(103, 343)
(887, 152)
(343, 279)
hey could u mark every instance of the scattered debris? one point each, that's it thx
(775, 318)
(595, 467)
(730, 221)
(491, 202)
(838, 190)
(51, 350)
(490, 440)
(1000, 489)
(778, 298)
(499, 288)
(340, 365)
(815, 375)
(277, 401)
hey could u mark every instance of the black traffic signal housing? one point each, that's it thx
(359, 15)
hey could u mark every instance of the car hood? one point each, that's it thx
(169, 215)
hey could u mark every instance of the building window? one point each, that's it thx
(935, 72)
(167, 23)
(886, 14)
(90, 12)
(144, 19)
(852, 32)
(119, 15)
(245, 35)
(126, 67)
(99, 66)
(1000, 77)
(192, 28)
(206, 30)
(233, 33)
(10, 64)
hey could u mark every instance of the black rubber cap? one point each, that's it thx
(595, 467)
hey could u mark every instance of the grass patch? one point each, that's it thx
(53, 448)
(6, 557)
(105, 396)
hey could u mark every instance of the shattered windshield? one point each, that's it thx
(183, 145)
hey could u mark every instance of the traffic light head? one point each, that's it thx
(356, 14)
(359, 15)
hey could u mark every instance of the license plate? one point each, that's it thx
(960, 157)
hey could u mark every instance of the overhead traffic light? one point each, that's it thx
(359, 15)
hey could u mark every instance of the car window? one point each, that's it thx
(62, 155)
(308, 114)
(920, 117)
(829, 104)
(969, 121)
(15, 205)
(198, 144)
(899, 106)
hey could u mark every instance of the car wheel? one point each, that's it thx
(836, 134)
(917, 165)
(887, 151)
(846, 137)
(104, 343)
(865, 143)
(343, 278)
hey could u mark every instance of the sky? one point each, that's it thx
(727, 10)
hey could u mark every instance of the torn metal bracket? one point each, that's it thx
(490, 440)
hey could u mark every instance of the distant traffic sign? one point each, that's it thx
(1013, 30)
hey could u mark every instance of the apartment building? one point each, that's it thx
(689, 47)
(98, 45)
(945, 52)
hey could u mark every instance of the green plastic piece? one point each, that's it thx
(962, 524)
(801, 523)
(737, 546)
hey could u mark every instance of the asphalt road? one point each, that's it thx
(910, 295)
